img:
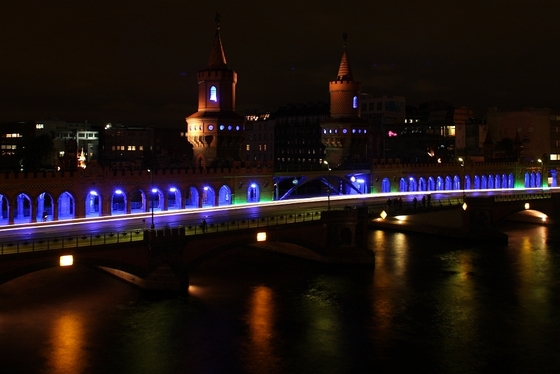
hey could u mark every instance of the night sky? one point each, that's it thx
(136, 61)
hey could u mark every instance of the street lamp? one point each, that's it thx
(464, 176)
(328, 185)
(542, 175)
(152, 196)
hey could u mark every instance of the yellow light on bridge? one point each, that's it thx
(261, 236)
(66, 260)
(527, 206)
(383, 214)
(464, 206)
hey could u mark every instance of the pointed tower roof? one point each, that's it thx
(344, 72)
(217, 56)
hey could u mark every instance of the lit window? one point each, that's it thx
(39, 126)
(140, 147)
(213, 95)
(248, 147)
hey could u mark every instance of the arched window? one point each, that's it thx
(213, 94)
(355, 102)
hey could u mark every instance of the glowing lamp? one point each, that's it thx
(261, 236)
(66, 260)
(93, 193)
(253, 185)
(118, 192)
(173, 189)
(154, 190)
(464, 206)
(353, 179)
(360, 180)
(527, 206)
(383, 214)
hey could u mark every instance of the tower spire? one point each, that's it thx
(344, 72)
(217, 56)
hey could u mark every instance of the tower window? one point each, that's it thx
(213, 95)
(355, 102)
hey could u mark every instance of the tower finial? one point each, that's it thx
(217, 19)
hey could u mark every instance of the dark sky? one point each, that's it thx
(136, 61)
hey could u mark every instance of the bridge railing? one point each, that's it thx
(523, 196)
(89, 240)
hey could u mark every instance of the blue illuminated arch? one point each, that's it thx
(385, 185)
(476, 182)
(224, 196)
(66, 206)
(253, 193)
(439, 183)
(431, 184)
(403, 186)
(422, 184)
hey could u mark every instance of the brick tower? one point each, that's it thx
(346, 136)
(216, 131)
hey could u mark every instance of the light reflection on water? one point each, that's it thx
(431, 304)
(66, 350)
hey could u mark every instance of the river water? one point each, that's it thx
(430, 305)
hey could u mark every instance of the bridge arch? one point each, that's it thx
(192, 198)
(421, 184)
(4, 210)
(385, 185)
(224, 196)
(118, 202)
(253, 193)
(93, 204)
(45, 207)
(66, 206)
(208, 197)
(23, 208)
(137, 199)
(173, 198)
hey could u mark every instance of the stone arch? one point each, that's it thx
(118, 202)
(192, 198)
(137, 199)
(155, 200)
(385, 185)
(45, 207)
(93, 204)
(412, 185)
(23, 208)
(422, 184)
(173, 198)
(467, 182)
(403, 186)
(456, 182)
(208, 197)
(477, 182)
(66, 206)
(431, 184)
(253, 193)
(224, 196)
(439, 184)
(4, 210)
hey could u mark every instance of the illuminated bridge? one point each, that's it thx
(100, 192)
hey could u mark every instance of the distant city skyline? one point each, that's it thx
(137, 64)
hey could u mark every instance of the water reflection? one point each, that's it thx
(67, 351)
(260, 320)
